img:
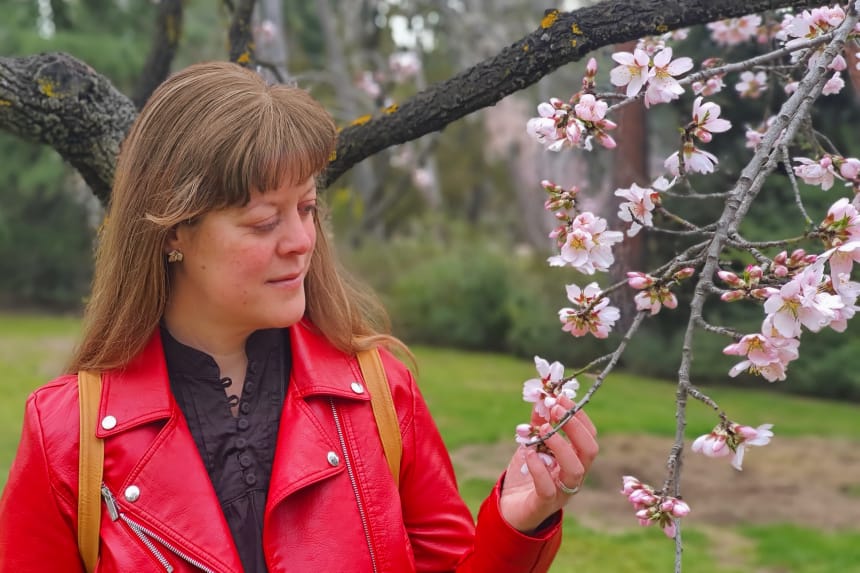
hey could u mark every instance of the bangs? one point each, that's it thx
(285, 138)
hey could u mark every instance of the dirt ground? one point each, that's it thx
(812, 482)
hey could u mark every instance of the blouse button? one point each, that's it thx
(357, 387)
(333, 459)
(243, 423)
(245, 460)
(249, 386)
(250, 478)
(244, 407)
(108, 422)
(241, 443)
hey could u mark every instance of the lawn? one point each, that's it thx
(475, 400)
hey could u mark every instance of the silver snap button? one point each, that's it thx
(357, 387)
(332, 458)
(108, 422)
(132, 493)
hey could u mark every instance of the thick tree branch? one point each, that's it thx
(59, 101)
(561, 39)
(168, 31)
(242, 35)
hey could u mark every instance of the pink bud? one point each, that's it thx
(669, 529)
(591, 67)
(809, 259)
(667, 505)
(780, 271)
(763, 293)
(826, 161)
(639, 280)
(781, 258)
(730, 278)
(680, 509)
(524, 430)
(754, 272)
(838, 64)
(797, 254)
(732, 296)
(684, 273)
(850, 168)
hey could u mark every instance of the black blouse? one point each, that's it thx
(238, 451)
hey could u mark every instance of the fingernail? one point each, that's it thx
(558, 411)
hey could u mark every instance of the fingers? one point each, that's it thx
(544, 483)
(581, 415)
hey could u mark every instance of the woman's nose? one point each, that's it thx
(297, 236)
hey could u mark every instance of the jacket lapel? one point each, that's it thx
(153, 450)
(307, 437)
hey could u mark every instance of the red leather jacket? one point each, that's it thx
(332, 503)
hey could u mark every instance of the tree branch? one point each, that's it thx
(168, 31)
(84, 118)
(58, 100)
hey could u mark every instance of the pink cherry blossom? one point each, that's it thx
(594, 314)
(638, 207)
(545, 391)
(801, 302)
(767, 355)
(734, 31)
(588, 244)
(819, 172)
(549, 128)
(706, 120)
(834, 85)
(841, 224)
(710, 86)
(729, 437)
(590, 109)
(633, 71)
(752, 84)
(654, 299)
(639, 280)
(662, 86)
(695, 160)
(849, 168)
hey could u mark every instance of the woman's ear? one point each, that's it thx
(171, 241)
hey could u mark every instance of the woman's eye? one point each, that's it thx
(308, 208)
(266, 226)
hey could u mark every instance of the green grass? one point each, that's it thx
(475, 398)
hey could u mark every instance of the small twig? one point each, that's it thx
(786, 160)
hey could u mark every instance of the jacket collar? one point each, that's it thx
(140, 392)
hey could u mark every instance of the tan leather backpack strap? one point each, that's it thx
(90, 468)
(383, 408)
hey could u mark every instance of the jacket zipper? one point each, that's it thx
(354, 483)
(147, 536)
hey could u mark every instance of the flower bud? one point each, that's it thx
(780, 271)
(797, 255)
(781, 258)
(754, 272)
(639, 280)
(591, 67)
(732, 296)
(684, 273)
(730, 278)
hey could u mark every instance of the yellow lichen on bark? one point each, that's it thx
(576, 29)
(549, 19)
(361, 120)
(662, 28)
(525, 47)
(47, 88)
(244, 57)
(391, 109)
(5, 103)
(333, 155)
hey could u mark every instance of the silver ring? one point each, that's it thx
(567, 490)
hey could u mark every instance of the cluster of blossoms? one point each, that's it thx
(794, 289)
(827, 169)
(592, 314)
(584, 240)
(653, 507)
(402, 67)
(732, 438)
(640, 69)
(575, 123)
(544, 393)
(655, 293)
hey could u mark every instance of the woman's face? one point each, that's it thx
(243, 268)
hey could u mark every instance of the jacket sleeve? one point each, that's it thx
(440, 527)
(36, 535)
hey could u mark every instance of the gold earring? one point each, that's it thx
(175, 256)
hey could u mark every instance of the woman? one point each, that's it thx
(238, 436)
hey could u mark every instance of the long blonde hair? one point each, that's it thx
(207, 136)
